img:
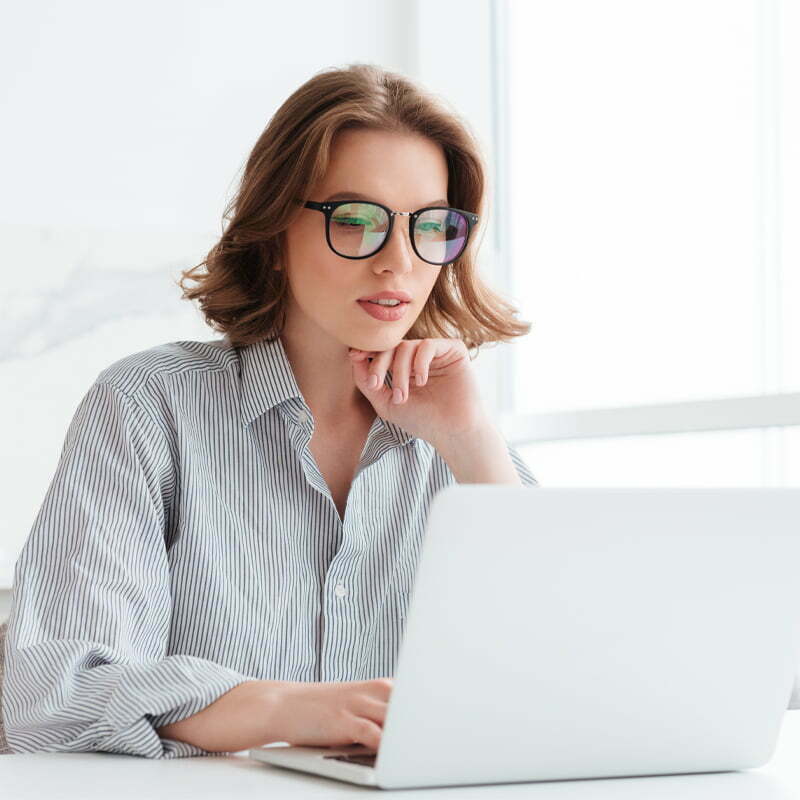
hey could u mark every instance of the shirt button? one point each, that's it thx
(302, 417)
(340, 590)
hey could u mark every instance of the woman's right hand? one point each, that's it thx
(331, 714)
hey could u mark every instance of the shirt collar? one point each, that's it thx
(267, 380)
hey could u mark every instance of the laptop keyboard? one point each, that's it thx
(366, 759)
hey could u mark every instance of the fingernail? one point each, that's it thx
(397, 395)
(373, 382)
(419, 380)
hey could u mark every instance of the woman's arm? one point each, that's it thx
(242, 718)
(86, 651)
(480, 457)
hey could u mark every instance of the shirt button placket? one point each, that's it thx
(333, 667)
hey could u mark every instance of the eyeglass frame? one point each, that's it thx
(328, 208)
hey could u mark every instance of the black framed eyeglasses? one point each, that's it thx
(359, 229)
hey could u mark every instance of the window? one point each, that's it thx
(649, 183)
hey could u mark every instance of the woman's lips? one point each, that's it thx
(384, 313)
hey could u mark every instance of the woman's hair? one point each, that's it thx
(240, 292)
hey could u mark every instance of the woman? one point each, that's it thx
(224, 556)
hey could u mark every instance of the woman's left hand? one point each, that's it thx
(446, 404)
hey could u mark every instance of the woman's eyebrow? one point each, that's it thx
(360, 196)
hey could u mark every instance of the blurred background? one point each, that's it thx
(644, 201)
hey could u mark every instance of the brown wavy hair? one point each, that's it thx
(239, 291)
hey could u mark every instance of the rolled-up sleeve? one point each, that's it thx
(86, 649)
(523, 470)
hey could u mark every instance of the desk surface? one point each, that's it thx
(84, 776)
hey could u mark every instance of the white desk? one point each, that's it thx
(83, 776)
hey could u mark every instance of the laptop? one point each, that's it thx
(563, 633)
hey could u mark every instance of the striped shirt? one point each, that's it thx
(188, 543)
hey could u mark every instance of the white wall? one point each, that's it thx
(124, 131)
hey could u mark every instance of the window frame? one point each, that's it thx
(772, 410)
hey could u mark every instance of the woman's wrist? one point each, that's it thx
(245, 716)
(479, 456)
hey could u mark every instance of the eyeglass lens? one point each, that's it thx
(358, 229)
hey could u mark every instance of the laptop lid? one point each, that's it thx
(591, 632)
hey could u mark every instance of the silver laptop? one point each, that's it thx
(558, 633)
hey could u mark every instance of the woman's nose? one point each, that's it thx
(399, 245)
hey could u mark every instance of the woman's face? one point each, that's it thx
(402, 171)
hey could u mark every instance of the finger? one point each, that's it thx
(401, 369)
(379, 687)
(446, 353)
(360, 363)
(366, 732)
(380, 363)
(362, 374)
(422, 360)
(370, 708)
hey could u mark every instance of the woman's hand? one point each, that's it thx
(439, 396)
(331, 714)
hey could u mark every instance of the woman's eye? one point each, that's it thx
(350, 222)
